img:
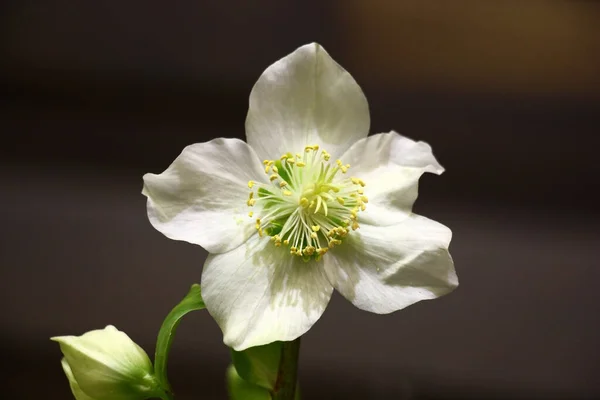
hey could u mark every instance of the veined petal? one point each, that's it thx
(77, 392)
(259, 293)
(391, 165)
(384, 269)
(303, 99)
(201, 198)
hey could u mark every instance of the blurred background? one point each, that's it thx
(95, 94)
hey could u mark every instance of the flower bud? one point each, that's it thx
(105, 364)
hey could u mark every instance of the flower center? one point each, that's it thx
(309, 205)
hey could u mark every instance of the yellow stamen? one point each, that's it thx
(341, 231)
(357, 181)
(320, 202)
(250, 201)
(309, 250)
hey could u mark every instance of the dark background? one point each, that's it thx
(95, 94)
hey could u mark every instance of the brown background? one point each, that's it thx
(95, 94)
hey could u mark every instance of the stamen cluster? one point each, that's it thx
(307, 205)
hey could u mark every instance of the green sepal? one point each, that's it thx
(240, 389)
(258, 365)
(191, 302)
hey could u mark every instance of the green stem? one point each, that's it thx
(287, 375)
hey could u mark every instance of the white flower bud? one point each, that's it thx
(105, 364)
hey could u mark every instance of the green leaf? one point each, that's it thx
(240, 389)
(191, 302)
(258, 365)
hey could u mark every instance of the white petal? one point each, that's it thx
(384, 269)
(259, 293)
(75, 389)
(201, 198)
(303, 99)
(391, 166)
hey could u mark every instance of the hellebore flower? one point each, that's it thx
(309, 204)
(107, 364)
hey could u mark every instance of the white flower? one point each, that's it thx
(286, 217)
(107, 364)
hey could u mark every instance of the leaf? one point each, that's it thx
(258, 365)
(239, 389)
(191, 302)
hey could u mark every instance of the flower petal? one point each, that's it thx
(201, 198)
(303, 99)
(391, 166)
(384, 269)
(259, 293)
(75, 389)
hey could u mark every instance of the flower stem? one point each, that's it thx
(287, 376)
